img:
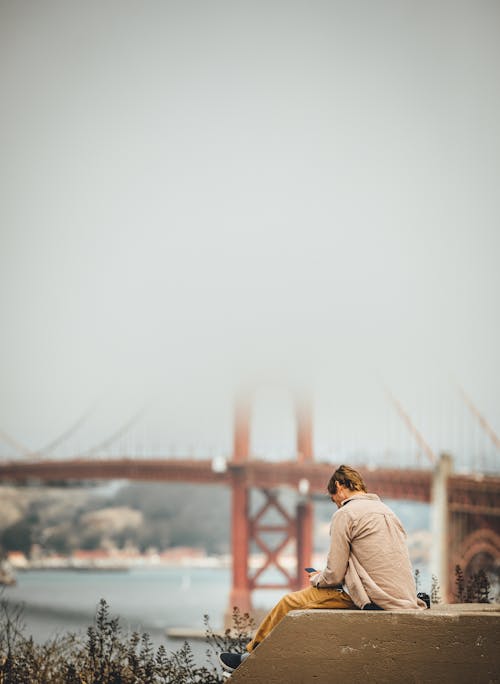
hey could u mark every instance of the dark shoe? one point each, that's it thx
(230, 661)
(372, 606)
(425, 598)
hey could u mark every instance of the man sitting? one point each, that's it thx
(367, 567)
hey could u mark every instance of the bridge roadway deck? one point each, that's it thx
(410, 484)
(465, 492)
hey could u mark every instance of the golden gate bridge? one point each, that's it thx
(465, 507)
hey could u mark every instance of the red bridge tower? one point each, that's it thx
(246, 528)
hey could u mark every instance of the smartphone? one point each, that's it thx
(310, 570)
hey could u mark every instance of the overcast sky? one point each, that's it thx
(199, 194)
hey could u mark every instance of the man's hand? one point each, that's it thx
(312, 575)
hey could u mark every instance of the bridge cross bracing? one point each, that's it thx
(467, 498)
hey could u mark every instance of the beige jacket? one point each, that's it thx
(368, 554)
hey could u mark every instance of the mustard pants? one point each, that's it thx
(311, 597)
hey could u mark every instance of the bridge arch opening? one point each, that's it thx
(481, 551)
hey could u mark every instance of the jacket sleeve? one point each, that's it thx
(338, 554)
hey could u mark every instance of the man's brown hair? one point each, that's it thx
(347, 476)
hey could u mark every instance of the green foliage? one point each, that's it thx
(18, 536)
(107, 656)
(171, 519)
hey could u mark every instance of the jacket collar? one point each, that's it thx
(371, 497)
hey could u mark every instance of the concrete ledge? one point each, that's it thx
(448, 644)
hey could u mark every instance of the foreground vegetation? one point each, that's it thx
(476, 589)
(108, 656)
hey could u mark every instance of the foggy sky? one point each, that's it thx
(200, 194)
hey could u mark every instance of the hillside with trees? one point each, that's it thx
(62, 519)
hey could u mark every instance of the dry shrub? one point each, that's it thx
(107, 655)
